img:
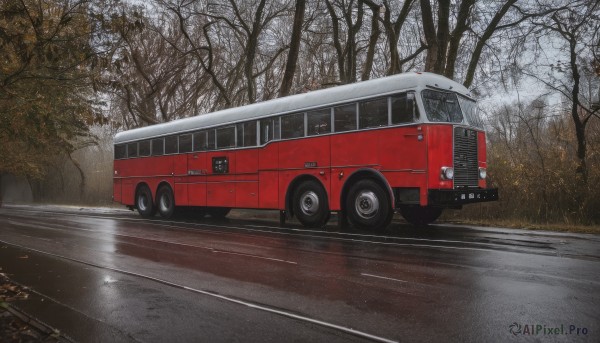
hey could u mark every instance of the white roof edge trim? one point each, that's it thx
(295, 103)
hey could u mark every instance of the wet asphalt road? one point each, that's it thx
(110, 276)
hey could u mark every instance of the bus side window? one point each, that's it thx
(319, 122)
(269, 130)
(373, 113)
(404, 108)
(266, 134)
(226, 137)
(120, 151)
(277, 128)
(185, 143)
(171, 145)
(344, 118)
(144, 148)
(212, 139)
(292, 126)
(158, 147)
(132, 150)
(200, 141)
(246, 134)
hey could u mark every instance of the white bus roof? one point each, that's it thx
(296, 103)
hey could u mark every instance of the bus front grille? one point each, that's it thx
(466, 168)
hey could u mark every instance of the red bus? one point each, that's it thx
(411, 143)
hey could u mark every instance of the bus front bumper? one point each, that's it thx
(454, 197)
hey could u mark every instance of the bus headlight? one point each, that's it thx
(482, 173)
(447, 173)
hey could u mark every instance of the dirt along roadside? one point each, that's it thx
(17, 326)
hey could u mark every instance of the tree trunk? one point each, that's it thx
(393, 33)
(489, 31)
(456, 36)
(251, 52)
(442, 36)
(430, 36)
(336, 39)
(579, 125)
(375, 32)
(292, 58)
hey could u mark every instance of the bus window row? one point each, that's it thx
(379, 112)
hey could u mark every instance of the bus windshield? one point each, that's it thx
(442, 107)
(471, 111)
(450, 108)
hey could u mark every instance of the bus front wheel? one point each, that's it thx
(420, 215)
(143, 202)
(165, 201)
(368, 206)
(310, 204)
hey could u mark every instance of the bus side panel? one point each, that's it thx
(180, 171)
(246, 191)
(220, 187)
(197, 180)
(127, 190)
(310, 156)
(401, 149)
(150, 170)
(439, 151)
(268, 163)
(117, 181)
(346, 149)
(117, 190)
(246, 179)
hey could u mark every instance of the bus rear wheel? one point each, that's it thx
(218, 212)
(310, 204)
(420, 215)
(143, 202)
(165, 201)
(368, 206)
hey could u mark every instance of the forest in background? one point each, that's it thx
(75, 72)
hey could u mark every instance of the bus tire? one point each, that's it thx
(165, 202)
(310, 204)
(143, 202)
(218, 212)
(368, 206)
(420, 215)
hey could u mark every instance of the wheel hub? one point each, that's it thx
(309, 203)
(366, 204)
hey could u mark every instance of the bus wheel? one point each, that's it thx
(144, 203)
(165, 201)
(420, 215)
(310, 204)
(368, 206)
(218, 212)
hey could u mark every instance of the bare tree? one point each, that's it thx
(295, 41)
(574, 26)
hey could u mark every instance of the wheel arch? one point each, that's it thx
(361, 174)
(289, 194)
